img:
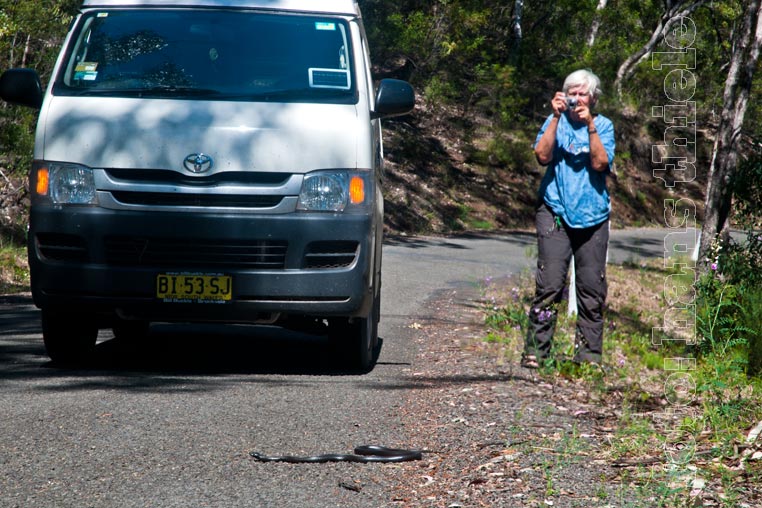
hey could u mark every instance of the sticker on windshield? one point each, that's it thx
(329, 78)
(86, 71)
(325, 25)
(102, 15)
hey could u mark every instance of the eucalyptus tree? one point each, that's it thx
(727, 153)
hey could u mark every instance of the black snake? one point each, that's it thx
(365, 453)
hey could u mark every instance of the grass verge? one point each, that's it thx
(687, 420)
(14, 270)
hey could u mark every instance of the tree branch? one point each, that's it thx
(666, 23)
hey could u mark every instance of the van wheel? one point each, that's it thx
(355, 340)
(130, 330)
(69, 337)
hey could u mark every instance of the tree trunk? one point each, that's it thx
(596, 23)
(518, 12)
(673, 14)
(726, 153)
(12, 57)
(518, 34)
(26, 51)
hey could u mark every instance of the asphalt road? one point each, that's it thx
(172, 425)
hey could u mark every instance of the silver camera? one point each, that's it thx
(571, 102)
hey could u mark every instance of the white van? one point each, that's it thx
(208, 161)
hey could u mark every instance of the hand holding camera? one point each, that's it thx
(578, 107)
(573, 104)
(558, 103)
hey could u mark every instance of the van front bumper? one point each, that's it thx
(107, 262)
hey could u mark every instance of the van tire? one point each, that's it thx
(354, 340)
(129, 330)
(69, 337)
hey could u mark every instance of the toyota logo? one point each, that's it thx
(198, 163)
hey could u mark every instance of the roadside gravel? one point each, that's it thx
(496, 434)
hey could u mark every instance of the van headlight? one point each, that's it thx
(336, 191)
(64, 184)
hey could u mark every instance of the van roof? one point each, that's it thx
(349, 7)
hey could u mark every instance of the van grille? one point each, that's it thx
(157, 176)
(200, 200)
(160, 252)
(61, 247)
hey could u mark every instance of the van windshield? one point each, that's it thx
(214, 54)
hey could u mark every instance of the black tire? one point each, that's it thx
(367, 339)
(128, 330)
(355, 340)
(69, 337)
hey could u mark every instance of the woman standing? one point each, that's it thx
(577, 147)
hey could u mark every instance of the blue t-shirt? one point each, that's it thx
(571, 187)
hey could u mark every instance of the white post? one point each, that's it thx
(694, 256)
(572, 289)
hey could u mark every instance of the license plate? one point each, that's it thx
(194, 288)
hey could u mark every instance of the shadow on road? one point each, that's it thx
(193, 349)
(170, 355)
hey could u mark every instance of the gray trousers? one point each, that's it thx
(557, 242)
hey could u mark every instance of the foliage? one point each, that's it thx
(750, 318)
(471, 46)
(511, 316)
(28, 39)
(16, 137)
(742, 261)
(729, 298)
(728, 316)
(716, 310)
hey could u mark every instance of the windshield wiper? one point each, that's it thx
(289, 93)
(154, 91)
(181, 90)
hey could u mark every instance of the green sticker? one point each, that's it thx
(324, 25)
(85, 76)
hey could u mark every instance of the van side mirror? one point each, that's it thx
(22, 87)
(394, 97)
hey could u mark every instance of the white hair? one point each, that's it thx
(584, 77)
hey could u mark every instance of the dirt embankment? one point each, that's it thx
(14, 203)
(447, 172)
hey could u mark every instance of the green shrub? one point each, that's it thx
(729, 297)
(751, 317)
(16, 138)
(741, 261)
(717, 311)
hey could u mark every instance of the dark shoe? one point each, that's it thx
(592, 358)
(530, 362)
